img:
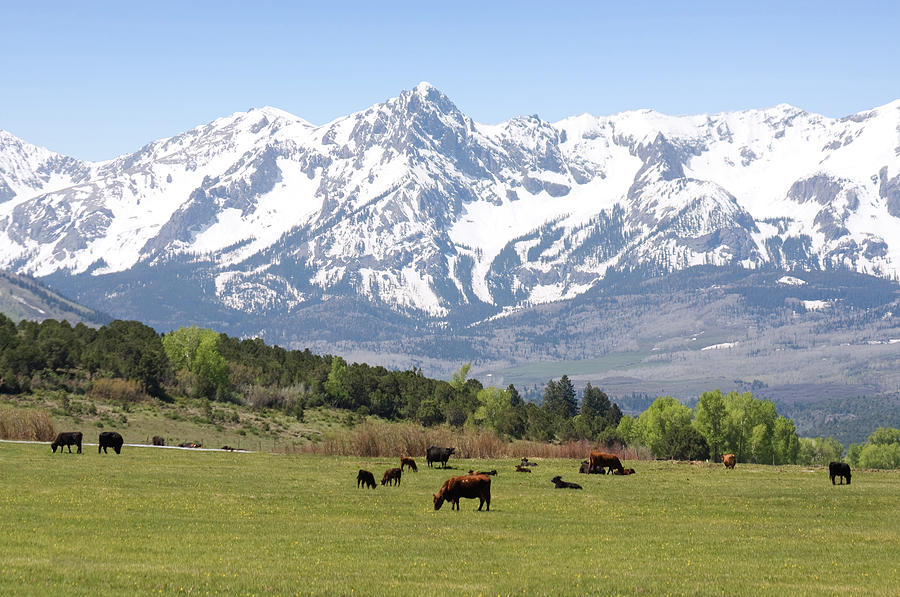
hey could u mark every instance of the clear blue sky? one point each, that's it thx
(98, 79)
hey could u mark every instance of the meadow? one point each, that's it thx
(167, 521)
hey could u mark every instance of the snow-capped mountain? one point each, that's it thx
(412, 206)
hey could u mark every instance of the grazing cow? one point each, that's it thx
(391, 475)
(409, 462)
(110, 439)
(627, 471)
(560, 484)
(522, 469)
(158, 441)
(598, 460)
(365, 479)
(468, 486)
(729, 460)
(442, 455)
(491, 473)
(69, 439)
(839, 469)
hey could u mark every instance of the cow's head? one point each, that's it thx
(451, 450)
(438, 501)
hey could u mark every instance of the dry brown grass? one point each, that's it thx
(379, 438)
(26, 424)
(118, 390)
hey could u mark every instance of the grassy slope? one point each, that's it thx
(154, 520)
(183, 420)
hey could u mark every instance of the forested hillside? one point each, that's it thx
(127, 362)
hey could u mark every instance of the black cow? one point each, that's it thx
(68, 438)
(365, 479)
(442, 455)
(158, 441)
(839, 469)
(560, 484)
(586, 469)
(110, 439)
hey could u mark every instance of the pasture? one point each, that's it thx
(188, 522)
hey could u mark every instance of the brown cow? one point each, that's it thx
(408, 462)
(729, 460)
(627, 471)
(391, 475)
(467, 486)
(600, 459)
(491, 472)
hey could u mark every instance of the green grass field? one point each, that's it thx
(176, 521)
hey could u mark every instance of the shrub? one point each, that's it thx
(26, 424)
(117, 390)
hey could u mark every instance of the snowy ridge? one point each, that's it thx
(412, 205)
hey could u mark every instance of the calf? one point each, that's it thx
(468, 486)
(365, 479)
(729, 460)
(391, 475)
(560, 484)
(839, 469)
(68, 439)
(110, 439)
(406, 461)
(627, 471)
(522, 469)
(491, 473)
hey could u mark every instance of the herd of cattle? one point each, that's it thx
(472, 485)
(478, 484)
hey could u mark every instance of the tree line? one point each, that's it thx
(201, 363)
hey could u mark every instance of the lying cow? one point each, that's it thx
(491, 472)
(839, 469)
(560, 484)
(391, 475)
(729, 460)
(586, 469)
(627, 471)
(110, 439)
(469, 487)
(528, 463)
(435, 454)
(522, 469)
(599, 460)
(406, 461)
(189, 445)
(69, 439)
(365, 479)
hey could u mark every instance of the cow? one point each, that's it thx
(69, 439)
(110, 439)
(627, 471)
(365, 479)
(189, 445)
(491, 472)
(586, 469)
(158, 441)
(442, 455)
(467, 486)
(729, 460)
(528, 463)
(406, 461)
(227, 448)
(839, 469)
(560, 484)
(522, 469)
(598, 460)
(391, 475)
